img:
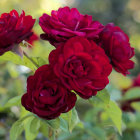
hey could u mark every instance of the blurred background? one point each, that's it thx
(124, 13)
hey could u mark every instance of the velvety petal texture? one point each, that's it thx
(116, 45)
(66, 23)
(81, 65)
(14, 28)
(46, 96)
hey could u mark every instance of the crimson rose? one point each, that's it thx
(66, 23)
(82, 66)
(14, 29)
(46, 96)
(116, 45)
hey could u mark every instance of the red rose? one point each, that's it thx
(46, 96)
(82, 66)
(66, 23)
(116, 45)
(14, 29)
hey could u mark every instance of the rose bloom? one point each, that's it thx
(82, 66)
(116, 45)
(126, 106)
(66, 23)
(14, 29)
(46, 96)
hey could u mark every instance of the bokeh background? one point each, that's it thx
(124, 13)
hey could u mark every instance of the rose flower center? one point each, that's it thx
(75, 67)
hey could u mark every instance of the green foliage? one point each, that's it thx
(97, 133)
(69, 120)
(102, 100)
(31, 126)
(12, 57)
(115, 114)
(17, 128)
(13, 102)
(104, 96)
(133, 93)
(44, 129)
(136, 106)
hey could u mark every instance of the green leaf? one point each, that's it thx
(104, 96)
(64, 125)
(40, 61)
(97, 133)
(44, 129)
(9, 56)
(14, 101)
(136, 106)
(54, 124)
(71, 118)
(17, 128)
(74, 120)
(34, 125)
(134, 126)
(132, 94)
(31, 126)
(115, 114)
(101, 99)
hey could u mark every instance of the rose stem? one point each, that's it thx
(31, 59)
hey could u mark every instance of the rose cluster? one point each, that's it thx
(85, 52)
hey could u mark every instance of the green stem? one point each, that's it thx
(31, 59)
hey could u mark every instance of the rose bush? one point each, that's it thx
(81, 63)
(14, 29)
(116, 45)
(46, 96)
(66, 23)
(82, 66)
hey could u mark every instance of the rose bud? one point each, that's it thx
(116, 45)
(14, 29)
(82, 66)
(66, 23)
(46, 96)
